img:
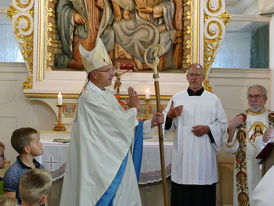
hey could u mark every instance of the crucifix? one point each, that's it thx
(50, 162)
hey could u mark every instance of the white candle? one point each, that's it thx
(60, 99)
(147, 94)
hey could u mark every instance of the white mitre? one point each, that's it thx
(96, 58)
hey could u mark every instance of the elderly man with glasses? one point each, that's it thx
(247, 133)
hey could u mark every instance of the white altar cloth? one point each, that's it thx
(55, 156)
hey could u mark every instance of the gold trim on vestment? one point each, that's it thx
(241, 168)
(249, 112)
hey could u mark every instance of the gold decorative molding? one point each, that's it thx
(51, 95)
(187, 33)
(28, 84)
(50, 34)
(215, 20)
(225, 17)
(20, 13)
(196, 31)
(51, 131)
(76, 96)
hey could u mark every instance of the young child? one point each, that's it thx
(26, 141)
(7, 201)
(34, 187)
(2, 165)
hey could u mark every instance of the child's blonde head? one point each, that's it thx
(7, 201)
(34, 184)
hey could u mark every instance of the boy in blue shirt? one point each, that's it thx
(26, 141)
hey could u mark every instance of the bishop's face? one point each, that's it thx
(195, 78)
(104, 76)
(256, 99)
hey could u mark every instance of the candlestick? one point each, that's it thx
(147, 94)
(60, 99)
(59, 126)
(147, 109)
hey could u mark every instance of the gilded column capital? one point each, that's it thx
(215, 20)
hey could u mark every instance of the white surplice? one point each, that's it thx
(263, 194)
(254, 145)
(194, 158)
(101, 136)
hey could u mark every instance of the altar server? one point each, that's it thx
(104, 157)
(199, 122)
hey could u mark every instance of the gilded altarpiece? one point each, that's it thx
(195, 28)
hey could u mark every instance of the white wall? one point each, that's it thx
(15, 109)
(234, 51)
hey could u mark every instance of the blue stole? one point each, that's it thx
(108, 197)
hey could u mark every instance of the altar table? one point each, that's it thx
(55, 155)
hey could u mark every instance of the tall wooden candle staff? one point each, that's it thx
(156, 49)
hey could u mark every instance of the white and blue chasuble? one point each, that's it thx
(104, 158)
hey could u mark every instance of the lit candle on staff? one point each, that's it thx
(147, 94)
(60, 99)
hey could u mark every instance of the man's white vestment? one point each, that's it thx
(194, 158)
(263, 194)
(101, 137)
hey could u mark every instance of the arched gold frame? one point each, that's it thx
(208, 16)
